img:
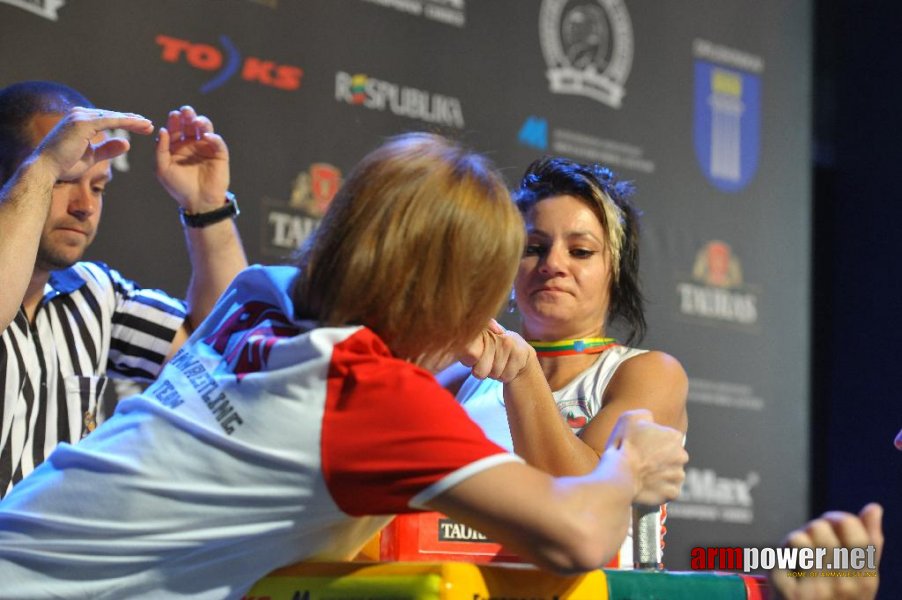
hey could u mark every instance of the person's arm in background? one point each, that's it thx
(64, 154)
(834, 530)
(572, 524)
(193, 166)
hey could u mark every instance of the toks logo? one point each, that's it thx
(229, 62)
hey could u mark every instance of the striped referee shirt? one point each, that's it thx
(53, 372)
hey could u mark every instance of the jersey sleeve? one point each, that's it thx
(392, 438)
(144, 323)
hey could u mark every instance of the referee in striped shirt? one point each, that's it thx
(68, 324)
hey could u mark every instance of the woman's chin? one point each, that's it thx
(547, 325)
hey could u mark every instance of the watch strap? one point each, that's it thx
(198, 220)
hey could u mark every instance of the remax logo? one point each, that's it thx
(228, 62)
(709, 496)
(705, 485)
(534, 133)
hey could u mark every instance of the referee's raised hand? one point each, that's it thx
(80, 140)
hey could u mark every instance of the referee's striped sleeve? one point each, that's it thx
(142, 327)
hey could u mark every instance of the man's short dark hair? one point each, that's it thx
(19, 103)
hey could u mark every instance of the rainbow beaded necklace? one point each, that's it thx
(595, 345)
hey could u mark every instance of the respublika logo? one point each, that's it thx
(401, 100)
(708, 496)
(42, 8)
(588, 47)
(287, 225)
(229, 62)
(717, 293)
(727, 120)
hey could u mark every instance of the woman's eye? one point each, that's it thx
(581, 252)
(534, 250)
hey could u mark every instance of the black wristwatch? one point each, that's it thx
(228, 211)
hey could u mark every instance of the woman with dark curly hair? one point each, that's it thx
(555, 399)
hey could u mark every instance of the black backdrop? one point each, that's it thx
(856, 406)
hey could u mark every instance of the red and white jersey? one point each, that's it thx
(265, 441)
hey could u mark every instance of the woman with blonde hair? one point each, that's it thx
(303, 413)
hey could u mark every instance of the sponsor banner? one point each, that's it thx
(452, 531)
(536, 133)
(286, 224)
(588, 48)
(716, 294)
(597, 55)
(284, 228)
(449, 12)
(42, 8)
(708, 496)
(359, 89)
(727, 114)
(724, 394)
(433, 536)
(226, 61)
